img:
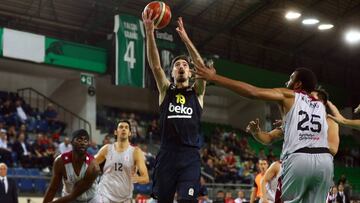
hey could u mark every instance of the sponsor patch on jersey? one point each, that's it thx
(191, 192)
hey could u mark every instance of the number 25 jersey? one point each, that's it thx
(305, 125)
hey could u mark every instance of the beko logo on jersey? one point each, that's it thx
(181, 110)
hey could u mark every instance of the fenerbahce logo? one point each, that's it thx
(180, 110)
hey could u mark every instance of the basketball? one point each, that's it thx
(162, 10)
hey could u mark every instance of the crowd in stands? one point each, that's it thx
(228, 158)
(28, 138)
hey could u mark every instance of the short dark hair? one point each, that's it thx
(322, 94)
(79, 133)
(124, 121)
(307, 78)
(180, 57)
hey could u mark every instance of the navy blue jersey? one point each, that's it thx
(180, 114)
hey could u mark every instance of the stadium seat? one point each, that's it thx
(25, 185)
(40, 185)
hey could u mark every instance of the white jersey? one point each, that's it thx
(271, 187)
(71, 177)
(305, 125)
(116, 183)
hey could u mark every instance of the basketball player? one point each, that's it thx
(340, 119)
(256, 192)
(77, 170)
(120, 169)
(277, 133)
(177, 165)
(306, 159)
(269, 182)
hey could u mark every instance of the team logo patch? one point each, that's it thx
(191, 192)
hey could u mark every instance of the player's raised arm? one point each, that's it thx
(153, 54)
(243, 88)
(341, 120)
(195, 56)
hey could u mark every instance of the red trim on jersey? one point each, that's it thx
(309, 95)
(67, 158)
(278, 192)
(89, 158)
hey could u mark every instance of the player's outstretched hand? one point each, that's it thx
(148, 20)
(277, 123)
(181, 30)
(337, 119)
(253, 127)
(204, 72)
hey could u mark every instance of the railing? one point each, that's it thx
(40, 101)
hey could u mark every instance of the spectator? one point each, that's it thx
(5, 151)
(8, 112)
(39, 148)
(331, 198)
(209, 168)
(65, 146)
(8, 189)
(107, 140)
(153, 131)
(93, 148)
(51, 116)
(50, 153)
(228, 198)
(246, 175)
(203, 192)
(11, 135)
(342, 197)
(241, 197)
(135, 137)
(347, 187)
(21, 115)
(23, 151)
(271, 157)
(261, 154)
(220, 197)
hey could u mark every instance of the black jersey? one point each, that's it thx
(180, 114)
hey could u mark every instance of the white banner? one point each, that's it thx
(23, 45)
